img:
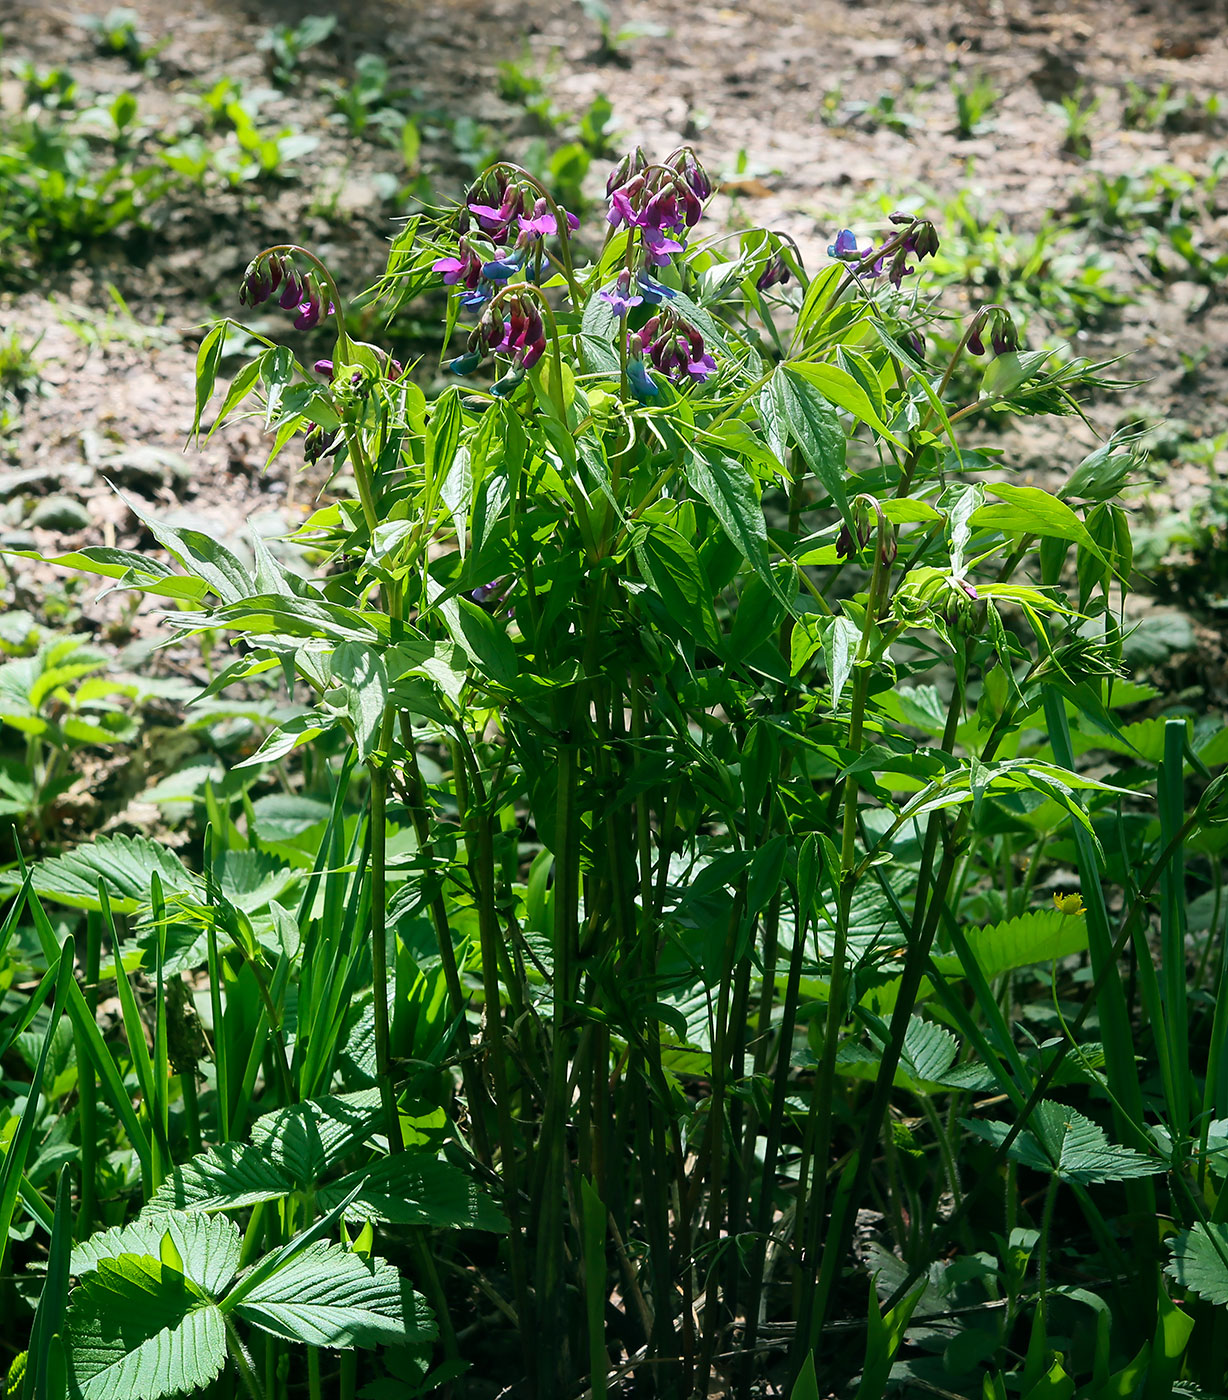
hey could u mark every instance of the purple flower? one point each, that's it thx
(776, 273)
(695, 176)
(480, 295)
(542, 222)
(974, 344)
(658, 249)
(621, 296)
(324, 367)
(294, 292)
(845, 246)
(621, 210)
(661, 212)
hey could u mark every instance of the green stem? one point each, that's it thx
(378, 765)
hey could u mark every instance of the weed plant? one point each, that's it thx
(610, 976)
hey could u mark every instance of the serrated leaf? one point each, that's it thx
(414, 1189)
(1038, 936)
(125, 864)
(140, 1330)
(1200, 1261)
(326, 1296)
(209, 1248)
(1061, 1140)
(307, 1138)
(227, 1177)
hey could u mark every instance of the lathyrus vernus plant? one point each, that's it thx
(695, 676)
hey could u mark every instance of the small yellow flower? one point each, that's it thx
(1068, 903)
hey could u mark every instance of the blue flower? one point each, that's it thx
(640, 380)
(466, 363)
(845, 246)
(654, 292)
(500, 269)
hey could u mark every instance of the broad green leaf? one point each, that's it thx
(598, 325)
(128, 569)
(841, 638)
(456, 493)
(1027, 510)
(227, 1177)
(815, 426)
(725, 484)
(415, 1189)
(1200, 1261)
(208, 1248)
(198, 552)
(672, 570)
(326, 1296)
(1061, 1140)
(306, 1138)
(125, 864)
(140, 1330)
(1037, 936)
(359, 671)
(839, 387)
(302, 729)
(208, 358)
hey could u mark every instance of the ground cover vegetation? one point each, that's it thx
(672, 877)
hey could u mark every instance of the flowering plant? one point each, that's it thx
(689, 666)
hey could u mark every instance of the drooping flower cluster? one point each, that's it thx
(1003, 334)
(672, 346)
(515, 219)
(920, 241)
(658, 205)
(515, 328)
(300, 291)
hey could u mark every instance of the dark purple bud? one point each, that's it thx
(899, 217)
(925, 240)
(317, 442)
(324, 367)
(694, 174)
(775, 273)
(916, 343)
(974, 344)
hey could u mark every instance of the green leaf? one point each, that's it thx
(199, 553)
(597, 327)
(325, 1296)
(125, 864)
(815, 426)
(725, 484)
(208, 359)
(1061, 1140)
(227, 1177)
(1027, 510)
(415, 1189)
(360, 671)
(130, 570)
(1200, 1261)
(208, 1248)
(672, 570)
(1037, 936)
(140, 1330)
(308, 1137)
(840, 388)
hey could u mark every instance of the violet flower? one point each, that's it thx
(621, 296)
(654, 292)
(845, 246)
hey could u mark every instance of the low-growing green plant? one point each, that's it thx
(1166, 108)
(1076, 110)
(693, 739)
(284, 45)
(974, 101)
(116, 33)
